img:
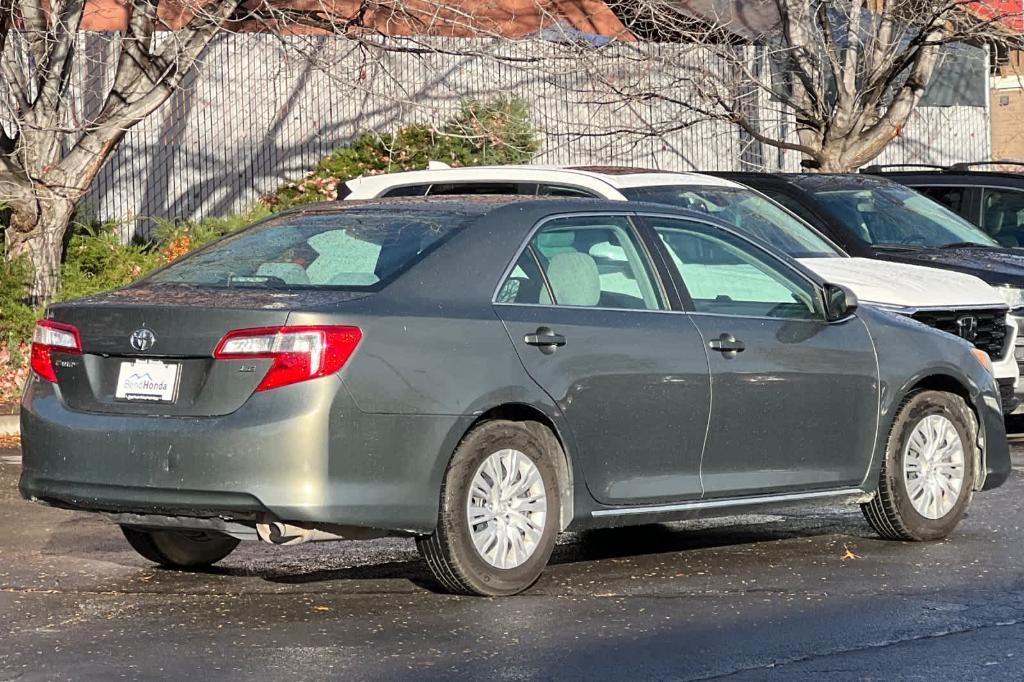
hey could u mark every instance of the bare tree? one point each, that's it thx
(834, 80)
(48, 155)
(845, 74)
(51, 149)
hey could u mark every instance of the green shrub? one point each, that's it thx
(96, 260)
(493, 133)
(16, 321)
(17, 317)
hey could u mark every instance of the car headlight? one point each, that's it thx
(1014, 296)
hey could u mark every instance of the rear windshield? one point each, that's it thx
(748, 211)
(352, 249)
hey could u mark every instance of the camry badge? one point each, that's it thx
(142, 339)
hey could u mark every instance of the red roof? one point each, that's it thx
(508, 18)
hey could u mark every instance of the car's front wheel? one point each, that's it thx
(499, 512)
(927, 478)
(180, 549)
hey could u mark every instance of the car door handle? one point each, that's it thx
(727, 345)
(545, 339)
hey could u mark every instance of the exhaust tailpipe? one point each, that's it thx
(278, 533)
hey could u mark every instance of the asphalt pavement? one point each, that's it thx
(786, 596)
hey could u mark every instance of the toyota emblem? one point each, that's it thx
(142, 339)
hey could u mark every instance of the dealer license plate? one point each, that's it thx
(149, 380)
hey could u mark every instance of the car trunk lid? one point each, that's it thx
(135, 341)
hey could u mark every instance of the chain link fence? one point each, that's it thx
(263, 109)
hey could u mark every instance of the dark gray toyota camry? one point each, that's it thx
(483, 374)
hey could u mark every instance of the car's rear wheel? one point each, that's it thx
(499, 512)
(180, 549)
(927, 477)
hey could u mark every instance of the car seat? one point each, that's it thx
(289, 273)
(1000, 222)
(574, 279)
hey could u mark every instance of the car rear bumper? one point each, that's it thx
(301, 453)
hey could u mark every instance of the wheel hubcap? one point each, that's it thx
(933, 466)
(507, 509)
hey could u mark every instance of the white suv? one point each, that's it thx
(927, 294)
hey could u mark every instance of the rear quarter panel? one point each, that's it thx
(433, 346)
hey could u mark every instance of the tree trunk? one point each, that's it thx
(36, 232)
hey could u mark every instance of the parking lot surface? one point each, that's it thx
(805, 597)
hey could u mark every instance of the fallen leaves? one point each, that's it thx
(848, 554)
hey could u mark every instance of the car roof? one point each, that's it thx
(953, 175)
(604, 180)
(531, 207)
(814, 181)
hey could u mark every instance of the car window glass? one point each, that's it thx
(475, 188)
(525, 284)
(750, 212)
(591, 261)
(1002, 215)
(727, 276)
(347, 249)
(892, 215)
(788, 202)
(950, 196)
(407, 191)
(563, 191)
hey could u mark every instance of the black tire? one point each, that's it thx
(891, 513)
(450, 553)
(180, 549)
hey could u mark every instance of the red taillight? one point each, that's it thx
(52, 336)
(299, 353)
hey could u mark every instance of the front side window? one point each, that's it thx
(593, 261)
(1002, 215)
(726, 276)
(351, 249)
(748, 211)
(895, 216)
(950, 196)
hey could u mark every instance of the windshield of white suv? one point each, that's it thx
(751, 213)
(895, 216)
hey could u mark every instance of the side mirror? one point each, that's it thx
(840, 302)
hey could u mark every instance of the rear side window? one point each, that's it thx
(477, 188)
(592, 261)
(407, 191)
(352, 249)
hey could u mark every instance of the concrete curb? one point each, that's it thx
(9, 425)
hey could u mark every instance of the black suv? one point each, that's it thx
(991, 199)
(873, 217)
